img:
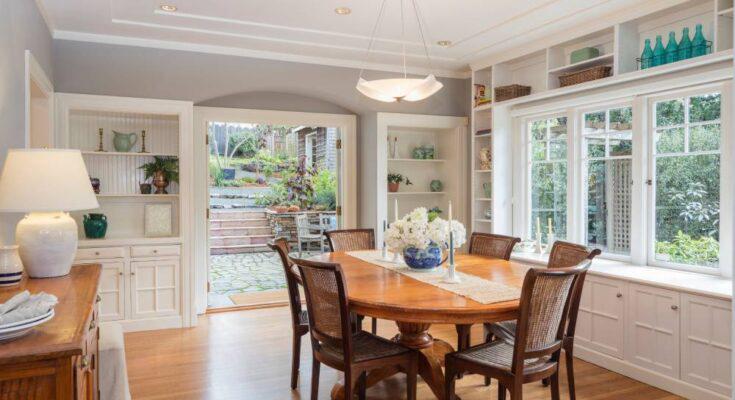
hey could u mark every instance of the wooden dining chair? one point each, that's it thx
(353, 240)
(563, 255)
(354, 352)
(299, 317)
(534, 354)
(489, 245)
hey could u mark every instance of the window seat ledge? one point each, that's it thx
(684, 281)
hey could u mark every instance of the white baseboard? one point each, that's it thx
(648, 377)
(134, 325)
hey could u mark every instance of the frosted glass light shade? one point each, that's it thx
(45, 180)
(390, 90)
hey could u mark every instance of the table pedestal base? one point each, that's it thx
(431, 354)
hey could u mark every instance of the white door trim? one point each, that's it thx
(34, 73)
(348, 128)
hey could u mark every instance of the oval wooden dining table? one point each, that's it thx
(379, 292)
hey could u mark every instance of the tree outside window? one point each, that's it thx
(548, 181)
(687, 169)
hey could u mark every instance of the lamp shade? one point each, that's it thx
(399, 89)
(45, 180)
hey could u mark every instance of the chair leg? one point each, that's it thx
(501, 391)
(362, 386)
(315, 379)
(569, 354)
(517, 392)
(489, 337)
(295, 359)
(545, 382)
(374, 328)
(555, 386)
(349, 384)
(450, 376)
(359, 318)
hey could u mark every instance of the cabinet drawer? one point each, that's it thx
(98, 253)
(155, 251)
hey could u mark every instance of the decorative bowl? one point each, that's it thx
(423, 259)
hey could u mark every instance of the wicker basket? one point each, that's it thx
(585, 75)
(511, 92)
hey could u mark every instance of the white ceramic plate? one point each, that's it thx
(12, 333)
(25, 321)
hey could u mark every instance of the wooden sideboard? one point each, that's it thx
(57, 360)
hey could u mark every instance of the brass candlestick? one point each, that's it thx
(101, 146)
(142, 147)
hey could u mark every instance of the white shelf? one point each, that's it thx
(600, 60)
(483, 220)
(483, 171)
(483, 135)
(726, 13)
(415, 193)
(170, 195)
(483, 107)
(483, 199)
(433, 160)
(130, 154)
(129, 241)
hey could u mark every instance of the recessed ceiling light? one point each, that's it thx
(168, 7)
(342, 10)
(444, 43)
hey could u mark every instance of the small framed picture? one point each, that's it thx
(158, 220)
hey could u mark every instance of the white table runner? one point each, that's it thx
(478, 289)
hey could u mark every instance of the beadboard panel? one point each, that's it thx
(120, 173)
(162, 131)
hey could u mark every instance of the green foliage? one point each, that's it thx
(325, 189)
(215, 172)
(300, 187)
(168, 165)
(683, 249)
(434, 213)
(398, 178)
(277, 195)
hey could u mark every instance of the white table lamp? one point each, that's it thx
(45, 184)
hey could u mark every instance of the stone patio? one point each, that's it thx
(242, 273)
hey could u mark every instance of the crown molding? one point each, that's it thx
(240, 52)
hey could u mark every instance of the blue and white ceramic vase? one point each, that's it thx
(423, 259)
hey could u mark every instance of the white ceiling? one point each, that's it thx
(310, 30)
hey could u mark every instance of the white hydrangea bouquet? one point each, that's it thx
(421, 241)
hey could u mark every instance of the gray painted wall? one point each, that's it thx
(21, 28)
(240, 82)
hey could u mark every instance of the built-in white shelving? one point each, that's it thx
(79, 120)
(619, 45)
(398, 135)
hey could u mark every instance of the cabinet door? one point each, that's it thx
(706, 342)
(112, 291)
(652, 336)
(154, 288)
(600, 322)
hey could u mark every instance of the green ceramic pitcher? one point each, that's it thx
(95, 225)
(123, 142)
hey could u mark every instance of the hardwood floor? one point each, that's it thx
(246, 355)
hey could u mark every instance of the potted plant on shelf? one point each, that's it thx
(422, 239)
(395, 180)
(163, 170)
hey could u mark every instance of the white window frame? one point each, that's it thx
(528, 161)
(579, 188)
(726, 195)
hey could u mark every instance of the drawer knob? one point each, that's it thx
(132, 273)
(96, 253)
(121, 274)
(619, 295)
(674, 307)
(155, 251)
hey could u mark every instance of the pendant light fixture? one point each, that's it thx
(405, 88)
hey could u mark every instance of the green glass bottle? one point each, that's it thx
(647, 55)
(659, 53)
(672, 49)
(685, 45)
(699, 43)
